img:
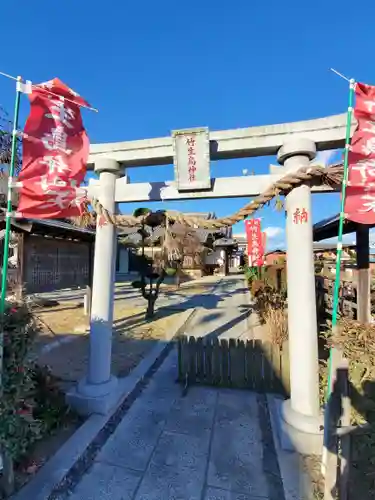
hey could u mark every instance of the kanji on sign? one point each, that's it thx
(255, 247)
(55, 153)
(300, 216)
(360, 192)
(190, 141)
(191, 159)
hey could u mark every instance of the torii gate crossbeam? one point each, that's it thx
(222, 187)
(327, 133)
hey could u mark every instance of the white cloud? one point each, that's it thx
(273, 232)
(325, 157)
(239, 235)
(351, 239)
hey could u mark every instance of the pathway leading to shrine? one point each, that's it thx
(224, 313)
(213, 444)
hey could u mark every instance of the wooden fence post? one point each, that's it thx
(338, 408)
(254, 365)
(87, 301)
(285, 368)
(345, 438)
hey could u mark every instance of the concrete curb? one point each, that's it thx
(296, 482)
(65, 339)
(53, 476)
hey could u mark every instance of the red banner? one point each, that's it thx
(360, 192)
(55, 153)
(255, 242)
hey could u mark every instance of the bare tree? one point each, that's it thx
(177, 244)
(6, 127)
(190, 250)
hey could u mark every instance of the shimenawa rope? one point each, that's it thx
(314, 175)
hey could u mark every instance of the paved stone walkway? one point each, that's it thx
(212, 444)
(209, 445)
(224, 313)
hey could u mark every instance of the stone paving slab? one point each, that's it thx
(181, 451)
(193, 415)
(135, 438)
(107, 482)
(207, 445)
(171, 483)
(236, 460)
(226, 314)
(217, 494)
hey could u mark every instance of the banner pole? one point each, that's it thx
(8, 225)
(338, 258)
(342, 218)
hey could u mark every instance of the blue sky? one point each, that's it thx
(151, 67)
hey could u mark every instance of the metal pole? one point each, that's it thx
(331, 367)
(341, 224)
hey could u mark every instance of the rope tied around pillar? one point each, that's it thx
(312, 175)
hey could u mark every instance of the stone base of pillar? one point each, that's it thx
(88, 399)
(299, 432)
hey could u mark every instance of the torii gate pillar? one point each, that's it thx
(97, 392)
(301, 417)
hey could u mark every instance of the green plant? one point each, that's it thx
(151, 277)
(18, 427)
(251, 273)
(31, 406)
(50, 407)
(176, 241)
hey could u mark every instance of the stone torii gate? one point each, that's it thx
(295, 145)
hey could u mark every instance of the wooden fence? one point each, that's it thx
(324, 300)
(255, 365)
(337, 438)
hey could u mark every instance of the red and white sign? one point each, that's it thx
(360, 192)
(255, 242)
(55, 153)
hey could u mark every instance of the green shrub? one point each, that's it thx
(18, 428)
(32, 405)
(251, 273)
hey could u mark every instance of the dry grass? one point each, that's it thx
(66, 318)
(133, 338)
(311, 465)
(357, 341)
(192, 290)
(276, 324)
